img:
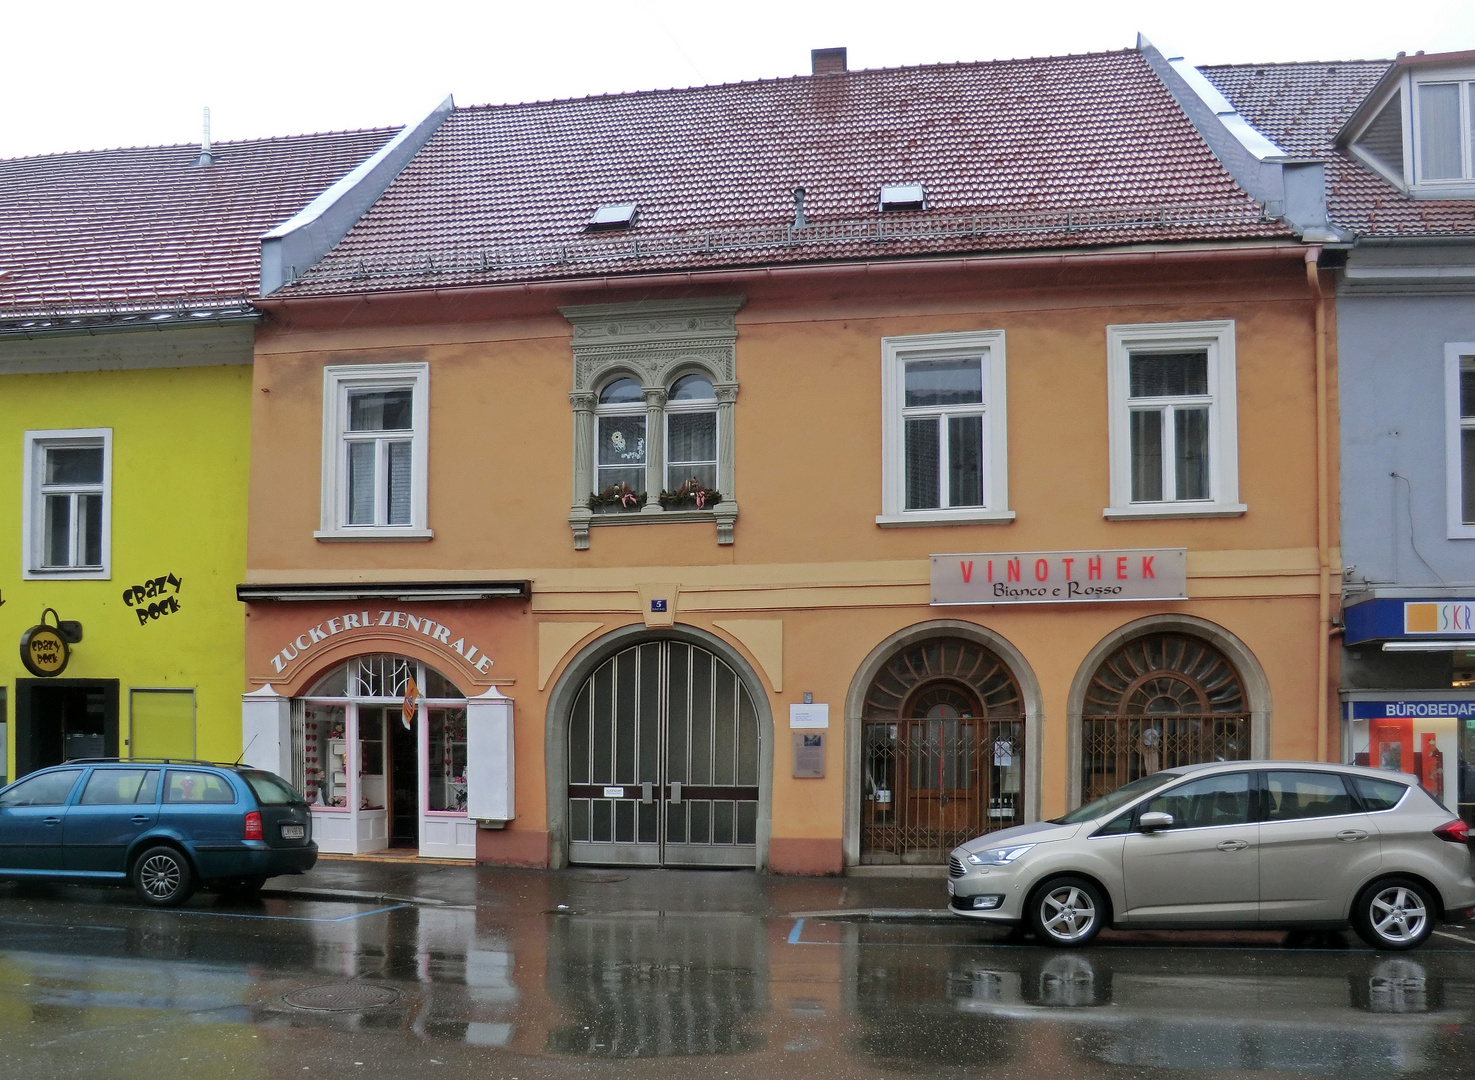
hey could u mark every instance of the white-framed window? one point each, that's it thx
(1459, 403)
(1442, 114)
(620, 437)
(68, 504)
(691, 434)
(1172, 424)
(1421, 136)
(944, 429)
(375, 431)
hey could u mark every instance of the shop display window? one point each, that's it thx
(447, 760)
(323, 756)
(1439, 750)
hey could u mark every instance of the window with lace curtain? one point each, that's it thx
(374, 452)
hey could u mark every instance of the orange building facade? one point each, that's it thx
(466, 637)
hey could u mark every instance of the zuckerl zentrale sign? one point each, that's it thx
(360, 621)
(1060, 577)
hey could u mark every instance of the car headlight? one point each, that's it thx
(998, 856)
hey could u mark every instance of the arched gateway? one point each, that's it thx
(663, 752)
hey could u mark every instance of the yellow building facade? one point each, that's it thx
(126, 501)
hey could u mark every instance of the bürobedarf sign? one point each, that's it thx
(1060, 577)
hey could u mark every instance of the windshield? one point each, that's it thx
(271, 790)
(1116, 799)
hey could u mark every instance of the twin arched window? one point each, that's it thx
(688, 422)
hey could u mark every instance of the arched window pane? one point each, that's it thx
(620, 392)
(1160, 701)
(693, 388)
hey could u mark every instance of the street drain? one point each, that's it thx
(342, 997)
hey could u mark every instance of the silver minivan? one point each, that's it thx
(1229, 845)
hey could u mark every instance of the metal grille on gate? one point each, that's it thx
(663, 748)
(943, 752)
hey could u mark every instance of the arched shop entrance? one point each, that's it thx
(942, 732)
(379, 748)
(662, 758)
(1160, 700)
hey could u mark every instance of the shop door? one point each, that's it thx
(61, 720)
(936, 780)
(663, 762)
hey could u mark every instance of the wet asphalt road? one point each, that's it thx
(591, 973)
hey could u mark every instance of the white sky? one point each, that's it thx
(90, 75)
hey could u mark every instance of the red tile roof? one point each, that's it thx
(1063, 151)
(1303, 107)
(144, 230)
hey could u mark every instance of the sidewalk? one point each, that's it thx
(618, 890)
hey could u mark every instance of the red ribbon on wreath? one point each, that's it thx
(627, 498)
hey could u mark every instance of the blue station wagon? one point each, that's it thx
(167, 826)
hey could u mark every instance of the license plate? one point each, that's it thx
(297, 832)
(950, 886)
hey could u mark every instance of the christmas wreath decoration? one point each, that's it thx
(692, 495)
(617, 498)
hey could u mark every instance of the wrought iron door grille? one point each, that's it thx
(1119, 749)
(931, 784)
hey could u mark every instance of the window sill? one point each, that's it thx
(1458, 533)
(1154, 511)
(103, 574)
(724, 514)
(330, 536)
(912, 518)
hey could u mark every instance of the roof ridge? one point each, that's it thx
(778, 79)
(1290, 63)
(194, 146)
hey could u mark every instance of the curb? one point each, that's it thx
(877, 915)
(350, 896)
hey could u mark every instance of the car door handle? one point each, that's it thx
(1351, 835)
(140, 819)
(1233, 845)
(51, 821)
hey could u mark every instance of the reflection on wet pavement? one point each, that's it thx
(91, 985)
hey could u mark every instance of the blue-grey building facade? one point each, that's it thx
(1395, 142)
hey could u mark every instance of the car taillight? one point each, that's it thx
(1456, 832)
(253, 827)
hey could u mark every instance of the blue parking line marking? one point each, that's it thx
(794, 933)
(292, 918)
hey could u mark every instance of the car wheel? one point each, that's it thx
(162, 876)
(1067, 911)
(1395, 913)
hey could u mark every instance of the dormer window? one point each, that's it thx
(1422, 134)
(1444, 115)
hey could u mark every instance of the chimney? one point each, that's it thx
(827, 61)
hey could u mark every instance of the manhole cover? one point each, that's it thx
(342, 997)
(597, 878)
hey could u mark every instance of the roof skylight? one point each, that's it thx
(613, 216)
(903, 197)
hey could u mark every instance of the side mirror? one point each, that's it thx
(1154, 820)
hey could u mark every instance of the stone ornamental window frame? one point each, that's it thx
(654, 342)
